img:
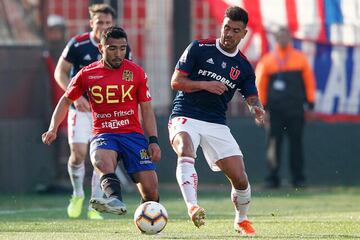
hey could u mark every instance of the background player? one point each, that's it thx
(116, 88)
(79, 52)
(206, 77)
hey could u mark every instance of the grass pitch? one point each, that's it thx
(285, 214)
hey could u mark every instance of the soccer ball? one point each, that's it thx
(150, 217)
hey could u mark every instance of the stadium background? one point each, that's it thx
(327, 30)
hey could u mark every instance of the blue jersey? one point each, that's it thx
(204, 60)
(82, 50)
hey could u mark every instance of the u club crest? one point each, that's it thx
(234, 73)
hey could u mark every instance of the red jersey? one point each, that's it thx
(114, 95)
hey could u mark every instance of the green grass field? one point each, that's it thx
(286, 214)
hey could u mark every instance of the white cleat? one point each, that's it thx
(108, 205)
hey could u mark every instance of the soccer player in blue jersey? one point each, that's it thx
(80, 51)
(206, 77)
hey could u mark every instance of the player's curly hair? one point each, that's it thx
(112, 32)
(101, 8)
(236, 13)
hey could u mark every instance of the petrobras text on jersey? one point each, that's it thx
(114, 124)
(217, 77)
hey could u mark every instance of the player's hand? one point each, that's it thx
(259, 115)
(154, 151)
(82, 104)
(48, 137)
(215, 87)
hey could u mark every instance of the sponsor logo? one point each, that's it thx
(81, 43)
(128, 75)
(95, 77)
(206, 44)
(102, 115)
(145, 162)
(87, 57)
(100, 141)
(124, 113)
(210, 60)
(217, 77)
(114, 124)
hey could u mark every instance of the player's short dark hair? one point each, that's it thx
(236, 13)
(112, 32)
(101, 8)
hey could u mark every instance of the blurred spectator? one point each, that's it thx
(286, 85)
(55, 35)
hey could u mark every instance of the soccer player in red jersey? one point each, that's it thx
(116, 88)
(81, 51)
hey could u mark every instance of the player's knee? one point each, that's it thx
(76, 159)
(240, 181)
(77, 156)
(183, 145)
(103, 166)
(184, 150)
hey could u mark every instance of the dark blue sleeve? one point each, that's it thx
(188, 59)
(247, 86)
(69, 52)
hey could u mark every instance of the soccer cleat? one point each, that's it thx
(75, 207)
(109, 205)
(197, 215)
(245, 228)
(94, 215)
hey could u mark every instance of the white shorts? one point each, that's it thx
(215, 139)
(79, 126)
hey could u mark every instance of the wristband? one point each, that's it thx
(153, 139)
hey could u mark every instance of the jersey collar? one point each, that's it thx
(92, 39)
(223, 52)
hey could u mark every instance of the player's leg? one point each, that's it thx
(96, 191)
(218, 143)
(126, 183)
(185, 146)
(76, 162)
(147, 184)
(233, 168)
(104, 159)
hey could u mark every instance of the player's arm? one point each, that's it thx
(256, 109)
(58, 116)
(181, 82)
(62, 73)
(149, 124)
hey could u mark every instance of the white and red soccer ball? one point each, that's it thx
(150, 217)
